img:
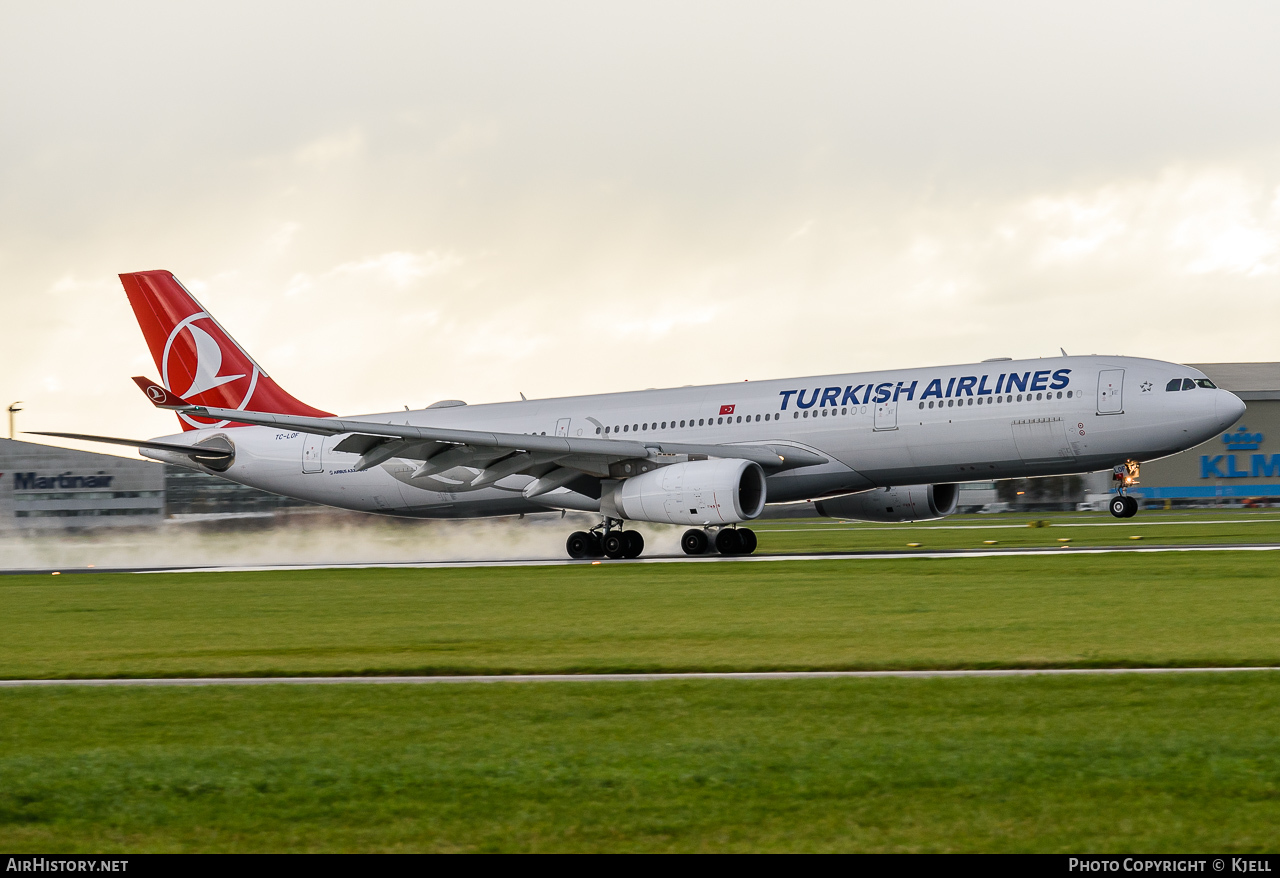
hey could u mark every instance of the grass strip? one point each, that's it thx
(1205, 609)
(1029, 764)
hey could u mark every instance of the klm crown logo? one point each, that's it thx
(1242, 439)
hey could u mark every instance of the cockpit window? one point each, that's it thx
(1175, 384)
(1205, 382)
(1188, 384)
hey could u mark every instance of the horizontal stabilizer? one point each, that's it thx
(199, 453)
(160, 398)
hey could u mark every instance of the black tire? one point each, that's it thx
(748, 537)
(694, 542)
(1119, 508)
(1131, 506)
(597, 550)
(728, 542)
(578, 545)
(615, 544)
(635, 544)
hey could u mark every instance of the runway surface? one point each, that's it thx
(620, 678)
(880, 555)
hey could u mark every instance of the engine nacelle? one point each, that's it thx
(903, 503)
(699, 492)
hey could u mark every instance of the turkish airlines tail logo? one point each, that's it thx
(198, 360)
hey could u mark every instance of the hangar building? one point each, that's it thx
(43, 487)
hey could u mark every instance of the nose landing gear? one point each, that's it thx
(1122, 505)
(728, 541)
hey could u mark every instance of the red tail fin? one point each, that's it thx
(198, 360)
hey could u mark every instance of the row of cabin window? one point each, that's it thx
(1175, 384)
(1188, 384)
(627, 428)
(953, 402)
(1000, 399)
(851, 410)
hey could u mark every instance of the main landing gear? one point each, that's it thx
(728, 541)
(1122, 505)
(609, 540)
(606, 539)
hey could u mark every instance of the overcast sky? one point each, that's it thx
(394, 203)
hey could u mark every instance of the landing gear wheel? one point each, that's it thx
(694, 542)
(728, 542)
(748, 537)
(615, 544)
(1123, 506)
(635, 544)
(580, 545)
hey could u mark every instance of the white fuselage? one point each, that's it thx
(912, 426)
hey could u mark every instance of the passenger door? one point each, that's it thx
(312, 457)
(1111, 392)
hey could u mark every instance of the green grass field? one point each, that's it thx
(1071, 765)
(1088, 610)
(1008, 531)
(1175, 763)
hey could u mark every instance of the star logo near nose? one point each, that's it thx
(1146, 386)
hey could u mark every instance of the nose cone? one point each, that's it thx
(1229, 408)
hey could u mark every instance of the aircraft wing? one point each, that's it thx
(441, 448)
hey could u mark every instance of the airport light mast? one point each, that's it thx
(14, 408)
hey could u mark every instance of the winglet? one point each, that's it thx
(160, 398)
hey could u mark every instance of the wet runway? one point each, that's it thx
(879, 555)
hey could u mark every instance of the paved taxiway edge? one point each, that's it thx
(618, 678)
(878, 555)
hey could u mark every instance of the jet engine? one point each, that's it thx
(903, 503)
(699, 492)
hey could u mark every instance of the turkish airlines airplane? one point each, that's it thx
(873, 446)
